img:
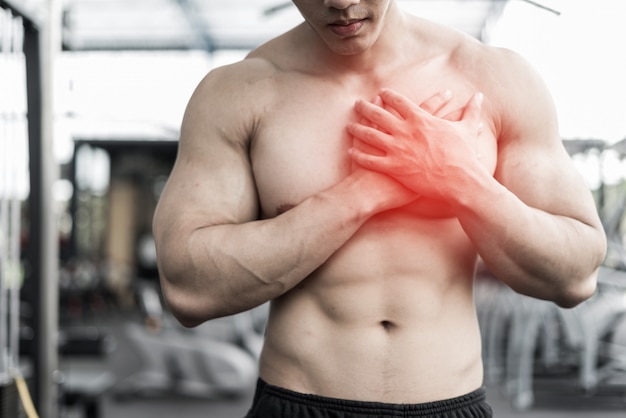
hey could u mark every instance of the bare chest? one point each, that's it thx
(301, 145)
(301, 148)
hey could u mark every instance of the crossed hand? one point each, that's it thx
(430, 152)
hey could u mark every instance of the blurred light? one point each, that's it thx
(62, 190)
(93, 168)
(580, 55)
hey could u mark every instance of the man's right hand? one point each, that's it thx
(393, 194)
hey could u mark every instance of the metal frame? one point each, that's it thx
(40, 284)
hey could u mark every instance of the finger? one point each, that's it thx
(359, 144)
(378, 102)
(461, 113)
(370, 136)
(365, 160)
(480, 127)
(472, 115)
(400, 104)
(435, 104)
(375, 115)
(466, 111)
(473, 109)
(367, 148)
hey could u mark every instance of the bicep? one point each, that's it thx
(208, 186)
(211, 182)
(544, 177)
(532, 161)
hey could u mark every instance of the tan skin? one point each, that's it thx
(337, 177)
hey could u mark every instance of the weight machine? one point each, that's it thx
(28, 46)
(13, 171)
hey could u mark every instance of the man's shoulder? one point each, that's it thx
(234, 85)
(512, 87)
(497, 71)
(460, 49)
(245, 73)
(262, 67)
(466, 49)
(283, 53)
(233, 95)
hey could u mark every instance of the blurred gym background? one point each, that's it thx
(91, 98)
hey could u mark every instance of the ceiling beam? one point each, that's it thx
(197, 25)
(194, 28)
(19, 10)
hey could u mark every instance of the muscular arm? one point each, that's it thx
(215, 257)
(534, 223)
(537, 229)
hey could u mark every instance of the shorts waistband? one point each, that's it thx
(375, 408)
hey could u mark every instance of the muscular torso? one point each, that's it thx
(390, 316)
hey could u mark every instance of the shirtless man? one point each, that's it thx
(352, 171)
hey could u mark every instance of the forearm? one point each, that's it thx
(217, 270)
(539, 254)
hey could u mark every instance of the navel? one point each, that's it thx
(387, 325)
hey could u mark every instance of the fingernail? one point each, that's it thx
(480, 96)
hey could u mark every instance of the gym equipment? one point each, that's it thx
(525, 337)
(12, 165)
(215, 359)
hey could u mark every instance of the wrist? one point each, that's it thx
(371, 192)
(482, 192)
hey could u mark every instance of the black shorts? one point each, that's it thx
(275, 402)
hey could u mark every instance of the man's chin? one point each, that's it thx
(349, 47)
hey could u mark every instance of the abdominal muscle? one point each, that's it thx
(389, 318)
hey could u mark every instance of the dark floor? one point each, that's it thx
(552, 399)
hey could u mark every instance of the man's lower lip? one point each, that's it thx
(347, 30)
